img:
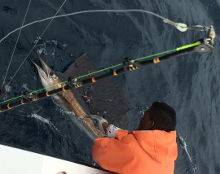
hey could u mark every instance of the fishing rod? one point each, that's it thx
(180, 26)
(204, 45)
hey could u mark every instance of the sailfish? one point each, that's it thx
(103, 98)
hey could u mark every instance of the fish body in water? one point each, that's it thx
(103, 98)
(67, 100)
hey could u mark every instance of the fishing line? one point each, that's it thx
(28, 7)
(88, 11)
(52, 18)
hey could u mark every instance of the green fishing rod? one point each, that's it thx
(204, 45)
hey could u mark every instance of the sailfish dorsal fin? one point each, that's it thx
(80, 67)
(107, 98)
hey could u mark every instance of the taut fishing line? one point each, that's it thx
(99, 11)
(3, 83)
(52, 18)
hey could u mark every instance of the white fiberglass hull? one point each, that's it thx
(13, 160)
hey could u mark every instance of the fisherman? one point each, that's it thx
(152, 149)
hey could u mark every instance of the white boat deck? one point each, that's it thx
(17, 161)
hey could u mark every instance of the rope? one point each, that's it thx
(52, 18)
(177, 49)
(16, 44)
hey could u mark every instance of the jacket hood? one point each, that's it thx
(160, 145)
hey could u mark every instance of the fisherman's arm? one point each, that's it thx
(111, 154)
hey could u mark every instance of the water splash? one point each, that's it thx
(6, 95)
(25, 87)
(43, 120)
(183, 145)
(8, 88)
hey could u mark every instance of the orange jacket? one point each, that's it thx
(142, 152)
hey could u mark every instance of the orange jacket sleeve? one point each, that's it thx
(112, 154)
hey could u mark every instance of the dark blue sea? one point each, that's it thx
(188, 83)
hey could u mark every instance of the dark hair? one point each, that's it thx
(163, 115)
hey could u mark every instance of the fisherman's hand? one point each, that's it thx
(112, 131)
(99, 122)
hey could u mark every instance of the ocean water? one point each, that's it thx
(188, 83)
